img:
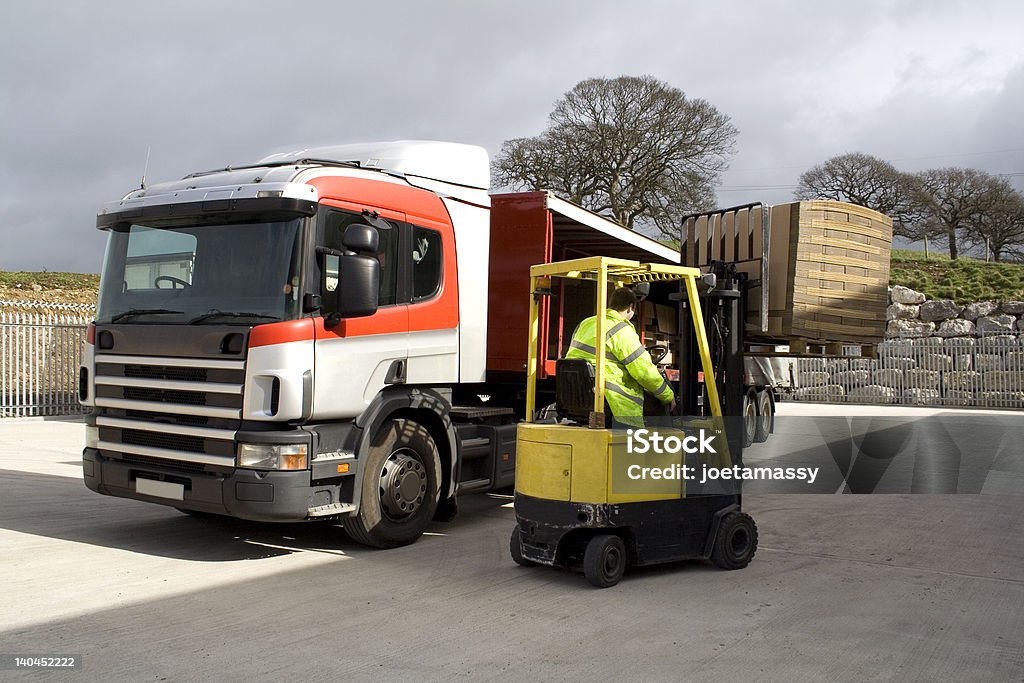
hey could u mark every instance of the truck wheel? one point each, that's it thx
(400, 487)
(515, 548)
(766, 415)
(749, 417)
(736, 542)
(604, 560)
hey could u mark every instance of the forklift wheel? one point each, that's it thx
(736, 542)
(515, 548)
(604, 561)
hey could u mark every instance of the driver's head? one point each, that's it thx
(624, 301)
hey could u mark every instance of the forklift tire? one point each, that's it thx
(750, 418)
(515, 549)
(604, 561)
(765, 415)
(736, 541)
(400, 487)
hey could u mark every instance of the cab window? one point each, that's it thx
(334, 233)
(426, 263)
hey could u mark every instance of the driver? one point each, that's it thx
(628, 367)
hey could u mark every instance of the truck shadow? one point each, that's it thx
(63, 508)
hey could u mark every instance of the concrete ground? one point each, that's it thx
(843, 588)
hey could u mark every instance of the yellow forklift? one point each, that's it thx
(600, 498)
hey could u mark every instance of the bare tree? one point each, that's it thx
(632, 148)
(999, 224)
(867, 181)
(953, 202)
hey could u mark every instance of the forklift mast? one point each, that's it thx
(723, 299)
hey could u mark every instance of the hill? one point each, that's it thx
(68, 288)
(964, 280)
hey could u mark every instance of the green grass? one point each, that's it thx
(46, 280)
(964, 280)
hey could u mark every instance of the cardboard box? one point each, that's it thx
(826, 268)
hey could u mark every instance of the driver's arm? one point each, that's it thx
(626, 347)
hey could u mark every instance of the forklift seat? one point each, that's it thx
(574, 388)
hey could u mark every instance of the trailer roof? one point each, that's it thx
(596, 235)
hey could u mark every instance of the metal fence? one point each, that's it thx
(985, 372)
(40, 353)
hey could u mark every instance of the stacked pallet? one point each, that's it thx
(824, 267)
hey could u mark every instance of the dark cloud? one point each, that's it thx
(89, 87)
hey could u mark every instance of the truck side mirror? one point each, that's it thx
(358, 286)
(351, 279)
(361, 238)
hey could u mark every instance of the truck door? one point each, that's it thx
(356, 358)
(433, 303)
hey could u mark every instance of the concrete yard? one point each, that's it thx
(843, 588)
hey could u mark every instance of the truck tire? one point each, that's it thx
(604, 560)
(400, 486)
(750, 417)
(736, 541)
(515, 549)
(765, 415)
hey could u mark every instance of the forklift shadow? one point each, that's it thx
(573, 578)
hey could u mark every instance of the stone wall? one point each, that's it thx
(911, 316)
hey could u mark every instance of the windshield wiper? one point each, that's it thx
(140, 311)
(229, 314)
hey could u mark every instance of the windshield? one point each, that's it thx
(236, 273)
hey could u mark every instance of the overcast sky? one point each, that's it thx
(87, 87)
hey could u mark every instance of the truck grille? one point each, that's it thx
(193, 398)
(163, 372)
(149, 416)
(181, 412)
(180, 442)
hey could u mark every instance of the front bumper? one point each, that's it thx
(268, 496)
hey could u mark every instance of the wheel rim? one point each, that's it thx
(612, 560)
(403, 485)
(739, 541)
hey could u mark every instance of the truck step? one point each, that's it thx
(332, 509)
(470, 413)
(474, 485)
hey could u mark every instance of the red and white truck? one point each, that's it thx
(332, 333)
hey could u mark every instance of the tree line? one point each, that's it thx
(641, 152)
(959, 208)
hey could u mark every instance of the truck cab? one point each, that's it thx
(230, 370)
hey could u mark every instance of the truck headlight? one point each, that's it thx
(261, 456)
(92, 436)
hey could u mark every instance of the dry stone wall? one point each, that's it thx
(936, 353)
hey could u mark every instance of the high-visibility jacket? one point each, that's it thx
(628, 368)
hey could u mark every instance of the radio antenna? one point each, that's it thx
(145, 169)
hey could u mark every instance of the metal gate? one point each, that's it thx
(984, 372)
(40, 354)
